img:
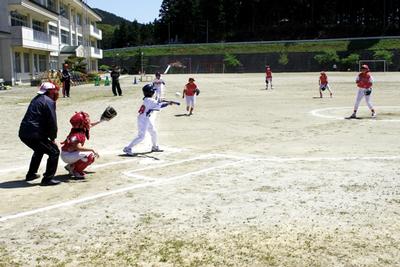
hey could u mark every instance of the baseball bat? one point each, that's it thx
(173, 102)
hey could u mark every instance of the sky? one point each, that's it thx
(143, 11)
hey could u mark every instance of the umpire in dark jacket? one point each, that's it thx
(38, 130)
(115, 86)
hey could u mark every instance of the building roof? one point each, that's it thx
(68, 49)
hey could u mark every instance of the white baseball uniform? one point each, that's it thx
(366, 84)
(159, 84)
(145, 123)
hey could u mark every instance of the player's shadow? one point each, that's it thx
(24, 184)
(139, 155)
(182, 115)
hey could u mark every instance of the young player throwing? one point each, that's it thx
(190, 91)
(73, 152)
(323, 84)
(159, 85)
(145, 124)
(364, 82)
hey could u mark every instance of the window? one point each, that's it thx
(53, 30)
(36, 63)
(80, 40)
(73, 39)
(42, 63)
(79, 19)
(51, 4)
(17, 62)
(38, 26)
(18, 19)
(64, 37)
(27, 63)
(64, 11)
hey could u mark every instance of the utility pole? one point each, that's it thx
(142, 62)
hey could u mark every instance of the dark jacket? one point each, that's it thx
(40, 120)
(66, 76)
(115, 75)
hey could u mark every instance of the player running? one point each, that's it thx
(323, 84)
(364, 82)
(190, 91)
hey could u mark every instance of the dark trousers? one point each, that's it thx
(66, 88)
(116, 87)
(41, 147)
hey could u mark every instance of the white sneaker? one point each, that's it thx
(69, 169)
(156, 149)
(373, 115)
(128, 151)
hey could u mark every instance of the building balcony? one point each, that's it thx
(28, 6)
(96, 33)
(29, 38)
(96, 52)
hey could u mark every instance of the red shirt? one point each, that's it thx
(364, 80)
(73, 138)
(323, 79)
(268, 73)
(190, 89)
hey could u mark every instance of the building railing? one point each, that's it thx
(41, 37)
(64, 22)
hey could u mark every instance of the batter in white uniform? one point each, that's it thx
(145, 124)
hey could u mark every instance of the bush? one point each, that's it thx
(91, 76)
(384, 55)
(351, 60)
(327, 57)
(283, 58)
(104, 68)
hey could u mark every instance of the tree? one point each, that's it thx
(77, 64)
(383, 55)
(327, 57)
(351, 60)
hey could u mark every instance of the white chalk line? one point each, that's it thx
(317, 113)
(170, 179)
(108, 193)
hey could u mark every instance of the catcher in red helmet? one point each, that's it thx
(73, 152)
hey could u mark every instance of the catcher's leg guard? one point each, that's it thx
(81, 164)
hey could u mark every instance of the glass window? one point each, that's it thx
(64, 11)
(18, 19)
(80, 40)
(38, 26)
(51, 4)
(79, 19)
(27, 63)
(18, 62)
(53, 30)
(42, 63)
(73, 39)
(64, 37)
(36, 62)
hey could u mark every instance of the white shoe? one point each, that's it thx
(128, 151)
(69, 169)
(156, 149)
(373, 115)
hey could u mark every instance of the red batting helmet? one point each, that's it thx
(365, 67)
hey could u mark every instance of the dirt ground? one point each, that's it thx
(254, 178)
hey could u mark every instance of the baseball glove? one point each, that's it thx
(108, 114)
(197, 91)
(368, 91)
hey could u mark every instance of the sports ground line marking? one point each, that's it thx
(117, 191)
(239, 161)
(318, 113)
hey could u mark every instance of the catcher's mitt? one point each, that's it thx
(197, 91)
(108, 114)
(368, 91)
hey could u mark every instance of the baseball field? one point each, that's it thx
(254, 177)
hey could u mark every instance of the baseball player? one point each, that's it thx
(190, 91)
(145, 123)
(159, 85)
(364, 82)
(66, 80)
(323, 84)
(73, 151)
(268, 77)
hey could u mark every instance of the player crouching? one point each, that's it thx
(73, 151)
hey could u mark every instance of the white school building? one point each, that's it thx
(38, 35)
